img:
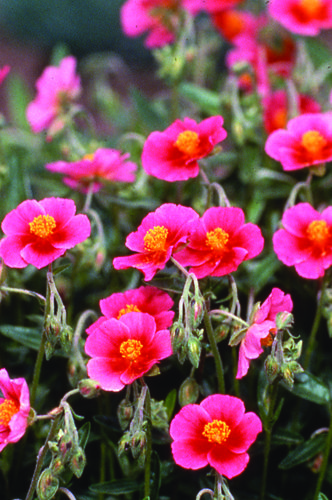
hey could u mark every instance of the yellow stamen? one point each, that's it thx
(131, 349)
(313, 142)
(129, 308)
(217, 239)
(216, 431)
(89, 156)
(318, 232)
(8, 408)
(42, 226)
(311, 8)
(155, 239)
(188, 143)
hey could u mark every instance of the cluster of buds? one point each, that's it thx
(282, 363)
(185, 333)
(67, 454)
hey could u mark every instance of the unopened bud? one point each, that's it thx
(77, 462)
(138, 442)
(197, 308)
(177, 336)
(52, 327)
(194, 351)
(65, 446)
(66, 336)
(125, 413)
(57, 466)
(47, 486)
(284, 320)
(124, 443)
(188, 392)
(271, 368)
(89, 388)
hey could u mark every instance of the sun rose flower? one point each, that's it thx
(4, 72)
(14, 408)
(306, 142)
(103, 165)
(304, 17)
(213, 6)
(172, 155)
(232, 23)
(57, 87)
(219, 242)
(160, 234)
(262, 328)
(38, 232)
(305, 240)
(124, 350)
(216, 432)
(145, 299)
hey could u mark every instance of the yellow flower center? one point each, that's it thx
(131, 349)
(318, 232)
(42, 226)
(188, 142)
(313, 142)
(129, 308)
(217, 239)
(8, 408)
(310, 8)
(155, 239)
(216, 431)
(89, 156)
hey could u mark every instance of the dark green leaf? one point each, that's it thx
(321, 496)
(304, 452)
(286, 437)
(170, 403)
(146, 112)
(156, 478)
(119, 487)
(83, 434)
(306, 386)
(29, 337)
(18, 98)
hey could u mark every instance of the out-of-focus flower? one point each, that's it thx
(145, 299)
(14, 408)
(276, 108)
(305, 241)
(219, 242)
(172, 155)
(216, 432)
(160, 234)
(4, 72)
(214, 6)
(57, 88)
(105, 165)
(304, 17)
(38, 232)
(124, 350)
(262, 328)
(232, 23)
(307, 141)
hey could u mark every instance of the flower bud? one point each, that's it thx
(57, 466)
(271, 368)
(188, 392)
(66, 336)
(65, 446)
(89, 388)
(177, 336)
(125, 413)
(194, 351)
(47, 486)
(284, 320)
(138, 442)
(197, 311)
(77, 462)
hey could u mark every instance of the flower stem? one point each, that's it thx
(221, 312)
(148, 450)
(269, 422)
(22, 291)
(215, 352)
(326, 455)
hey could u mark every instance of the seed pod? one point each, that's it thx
(47, 486)
(77, 462)
(188, 392)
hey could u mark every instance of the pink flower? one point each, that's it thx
(305, 240)
(219, 242)
(4, 72)
(304, 17)
(57, 88)
(103, 165)
(262, 328)
(172, 155)
(38, 233)
(214, 6)
(122, 351)
(217, 432)
(14, 408)
(306, 142)
(275, 109)
(157, 238)
(232, 23)
(145, 299)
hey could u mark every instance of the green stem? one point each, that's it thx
(24, 292)
(148, 451)
(315, 326)
(268, 434)
(221, 312)
(326, 455)
(215, 352)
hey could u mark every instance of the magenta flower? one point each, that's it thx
(172, 155)
(57, 88)
(14, 408)
(38, 233)
(216, 432)
(145, 299)
(160, 234)
(231, 23)
(304, 17)
(262, 329)
(219, 242)
(305, 240)
(306, 142)
(124, 350)
(93, 169)
(4, 72)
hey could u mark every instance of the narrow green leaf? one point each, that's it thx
(83, 434)
(156, 477)
(18, 98)
(304, 452)
(119, 487)
(146, 111)
(321, 496)
(207, 100)
(308, 387)
(170, 403)
(29, 337)
(286, 437)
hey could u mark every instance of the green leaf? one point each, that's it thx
(321, 496)
(308, 387)
(146, 111)
(83, 434)
(170, 403)
(118, 487)
(155, 475)
(286, 437)
(304, 452)
(29, 337)
(207, 100)
(18, 98)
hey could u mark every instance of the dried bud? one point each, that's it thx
(287, 375)
(125, 413)
(89, 388)
(52, 327)
(194, 351)
(271, 368)
(47, 486)
(188, 392)
(284, 320)
(77, 462)
(65, 446)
